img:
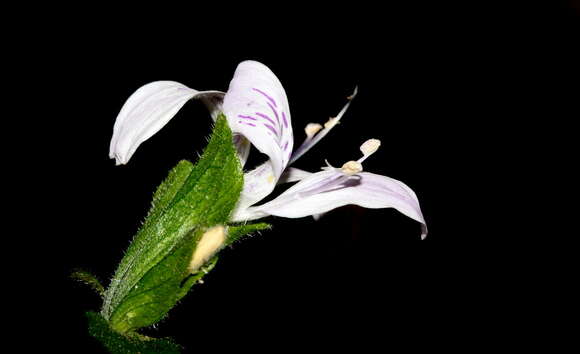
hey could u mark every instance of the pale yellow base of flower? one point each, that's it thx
(209, 243)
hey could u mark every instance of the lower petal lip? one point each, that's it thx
(330, 189)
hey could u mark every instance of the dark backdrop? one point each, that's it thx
(449, 90)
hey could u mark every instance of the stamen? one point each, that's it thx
(310, 142)
(331, 123)
(328, 166)
(311, 129)
(353, 94)
(368, 148)
(352, 167)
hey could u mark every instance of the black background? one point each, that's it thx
(455, 92)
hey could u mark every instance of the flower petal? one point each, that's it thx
(326, 190)
(292, 174)
(149, 109)
(256, 107)
(243, 147)
(258, 184)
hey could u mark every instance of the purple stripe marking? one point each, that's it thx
(281, 129)
(251, 124)
(246, 117)
(285, 146)
(265, 117)
(271, 128)
(268, 97)
(284, 119)
(275, 113)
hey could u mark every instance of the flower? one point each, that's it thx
(257, 111)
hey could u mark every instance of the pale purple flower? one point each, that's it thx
(257, 111)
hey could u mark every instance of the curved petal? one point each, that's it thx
(326, 190)
(148, 110)
(256, 107)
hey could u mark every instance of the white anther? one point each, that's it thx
(331, 123)
(311, 129)
(368, 148)
(352, 167)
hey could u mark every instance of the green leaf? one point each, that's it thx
(120, 344)
(168, 189)
(237, 232)
(157, 291)
(151, 276)
(88, 279)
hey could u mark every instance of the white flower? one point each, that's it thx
(257, 111)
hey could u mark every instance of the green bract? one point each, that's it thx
(154, 273)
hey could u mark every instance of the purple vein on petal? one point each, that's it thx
(271, 128)
(285, 146)
(250, 124)
(275, 112)
(284, 119)
(266, 95)
(265, 117)
(281, 129)
(246, 117)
